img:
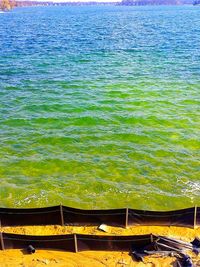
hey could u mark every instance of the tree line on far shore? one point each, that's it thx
(6, 5)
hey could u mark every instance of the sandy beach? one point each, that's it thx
(52, 258)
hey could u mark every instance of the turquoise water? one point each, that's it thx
(100, 107)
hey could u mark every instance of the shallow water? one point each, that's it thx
(100, 107)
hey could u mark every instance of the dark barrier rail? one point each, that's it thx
(137, 246)
(117, 217)
(112, 243)
(197, 216)
(75, 242)
(94, 217)
(37, 216)
(13, 241)
(184, 217)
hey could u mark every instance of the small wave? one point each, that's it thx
(192, 188)
(33, 199)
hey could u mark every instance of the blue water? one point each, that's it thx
(100, 107)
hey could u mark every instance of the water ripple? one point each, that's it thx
(100, 107)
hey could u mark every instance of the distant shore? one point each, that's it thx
(117, 3)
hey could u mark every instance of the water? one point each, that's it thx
(100, 107)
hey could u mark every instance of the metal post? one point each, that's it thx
(126, 222)
(75, 243)
(1, 238)
(61, 215)
(195, 216)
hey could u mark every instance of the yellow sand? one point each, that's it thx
(187, 234)
(14, 258)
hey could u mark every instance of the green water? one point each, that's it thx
(100, 107)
